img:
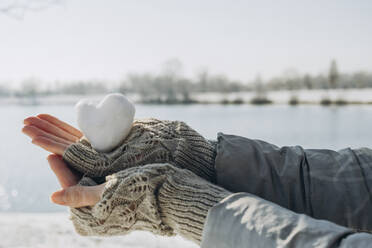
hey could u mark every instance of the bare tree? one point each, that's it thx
(29, 88)
(333, 75)
(203, 79)
(307, 81)
(18, 8)
(259, 87)
(173, 68)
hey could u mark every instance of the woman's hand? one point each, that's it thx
(149, 141)
(50, 133)
(159, 198)
(72, 194)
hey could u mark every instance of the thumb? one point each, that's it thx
(78, 196)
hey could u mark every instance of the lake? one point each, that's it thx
(26, 181)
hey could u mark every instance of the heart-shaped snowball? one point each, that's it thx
(107, 123)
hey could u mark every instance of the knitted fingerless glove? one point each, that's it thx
(159, 198)
(150, 141)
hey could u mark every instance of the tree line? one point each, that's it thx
(170, 86)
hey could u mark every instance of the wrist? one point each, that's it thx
(195, 153)
(184, 201)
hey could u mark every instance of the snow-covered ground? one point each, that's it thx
(54, 230)
(360, 96)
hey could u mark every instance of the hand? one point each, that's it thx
(159, 198)
(50, 133)
(149, 141)
(72, 194)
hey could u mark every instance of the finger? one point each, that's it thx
(61, 124)
(50, 145)
(33, 132)
(64, 175)
(50, 128)
(78, 196)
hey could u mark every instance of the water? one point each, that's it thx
(26, 180)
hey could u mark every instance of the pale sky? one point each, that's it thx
(106, 39)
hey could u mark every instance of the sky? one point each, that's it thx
(107, 39)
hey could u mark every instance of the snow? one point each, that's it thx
(107, 123)
(45, 230)
(360, 96)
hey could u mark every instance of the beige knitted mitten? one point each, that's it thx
(159, 198)
(150, 141)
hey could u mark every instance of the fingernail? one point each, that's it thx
(25, 121)
(58, 197)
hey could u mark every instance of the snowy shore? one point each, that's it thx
(46, 230)
(351, 96)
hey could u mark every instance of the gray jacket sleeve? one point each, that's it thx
(324, 184)
(244, 220)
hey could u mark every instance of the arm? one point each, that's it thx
(242, 219)
(324, 184)
(166, 201)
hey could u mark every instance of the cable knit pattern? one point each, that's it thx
(159, 198)
(150, 141)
